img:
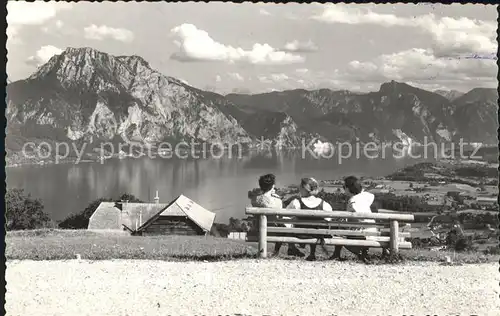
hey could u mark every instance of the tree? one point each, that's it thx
(24, 212)
(81, 220)
(235, 225)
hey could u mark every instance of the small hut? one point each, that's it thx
(182, 216)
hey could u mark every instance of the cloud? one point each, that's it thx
(355, 15)
(236, 76)
(43, 55)
(422, 66)
(273, 78)
(57, 25)
(103, 32)
(302, 70)
(296, 46)
(197, 45)
(33, 13)
(218, 78)
(450, 36)
(21, 13)
(279, 77)
(264, 12)
(12, 32)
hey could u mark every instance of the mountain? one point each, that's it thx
(84, 94)
(449, 94)
(397, 111)
(87, 96)
(476, 115)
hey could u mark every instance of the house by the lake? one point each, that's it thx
(485, 201)
(182, 216)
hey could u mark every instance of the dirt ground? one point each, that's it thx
(272, 287)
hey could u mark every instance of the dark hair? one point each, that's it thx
(310, 185)
(352, 184)
(267, 181)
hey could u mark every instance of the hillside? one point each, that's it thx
(396, 111)
(87, 96)
(84, 94)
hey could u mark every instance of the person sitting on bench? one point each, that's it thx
(267, 198)
(359, 201)
(308, 201)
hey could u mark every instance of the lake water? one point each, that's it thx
(220, 185)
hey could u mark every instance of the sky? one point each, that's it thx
(254, 48)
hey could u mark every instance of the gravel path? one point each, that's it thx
(271, 287)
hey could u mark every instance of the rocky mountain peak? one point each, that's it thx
(394, 87)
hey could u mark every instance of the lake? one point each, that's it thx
(220, 185)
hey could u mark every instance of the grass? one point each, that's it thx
(53, 244)
(66, 244)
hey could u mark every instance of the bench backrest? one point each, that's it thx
(313, 224)
(325, 214)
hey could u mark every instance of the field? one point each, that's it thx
(94, 245)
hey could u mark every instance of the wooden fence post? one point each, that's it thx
(263, 236)
(394, 240)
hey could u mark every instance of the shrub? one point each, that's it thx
(24, 212)
(81, 220)
(459, 242)
(492, 250)
(463, 244)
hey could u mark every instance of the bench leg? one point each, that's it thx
(394, 240)
(263, 237)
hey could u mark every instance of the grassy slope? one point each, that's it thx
(66, 244)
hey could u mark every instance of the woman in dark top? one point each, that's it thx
(308, 201)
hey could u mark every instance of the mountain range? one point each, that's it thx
(84, 95)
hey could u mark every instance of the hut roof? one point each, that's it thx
(107, 214)
(183, 206)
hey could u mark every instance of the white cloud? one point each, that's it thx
(273, 78)
(103, 32)
(355, 15)
(197, 45)
(12, 32)
(33, 13)
(279, 77)
(21, 13)
(43, 55)
(302, 70)
(447, 61)
(296, 46)
(236, 76)
(57, 25)
(218, 78)
(264, 12)
(421, 66)
(450, 36)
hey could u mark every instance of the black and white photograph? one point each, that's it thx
(219, 158)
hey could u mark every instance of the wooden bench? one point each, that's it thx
(388, 234)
